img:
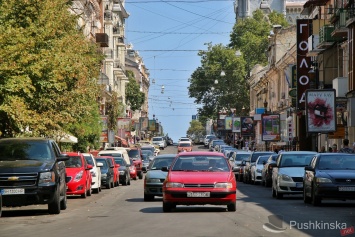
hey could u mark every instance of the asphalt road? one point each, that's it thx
(122, 212)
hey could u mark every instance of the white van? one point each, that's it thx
(116, 153)
(159, 141)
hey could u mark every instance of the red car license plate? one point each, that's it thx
(198, 194)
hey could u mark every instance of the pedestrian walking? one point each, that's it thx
(346, 148)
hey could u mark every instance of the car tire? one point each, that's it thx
(129, 180)
(84, 195)
(167, 207)
(273, 192)
(148, 197)
(95, 190)
(54, 206)
(63, 202)
(232, 207)
(306, 199)
(112, 184)
(140, 176)
(88, 193)
(108, 185)
(279, 195)
(316, 201)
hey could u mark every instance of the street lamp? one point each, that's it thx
(265, 112)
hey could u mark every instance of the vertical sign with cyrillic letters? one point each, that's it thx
(304, 27)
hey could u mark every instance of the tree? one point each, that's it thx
(48, 74)
(230, 93)
(134, 97)
(195, 128)
(250, 36)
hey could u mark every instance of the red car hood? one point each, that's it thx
(73, 171)
(199, 176)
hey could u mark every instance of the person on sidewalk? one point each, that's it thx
(346, 148)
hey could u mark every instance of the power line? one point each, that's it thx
(178, 33)
(179, 1)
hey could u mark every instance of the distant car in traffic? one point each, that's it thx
(154, 178)
(107, 172)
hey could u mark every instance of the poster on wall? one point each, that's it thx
(236, 124)
(321, 111)
(151, 125)
(270, 127)
(247, 126)
(228, 123)
(143, 123)
(220, 124)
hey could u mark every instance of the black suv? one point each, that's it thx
(32, 171)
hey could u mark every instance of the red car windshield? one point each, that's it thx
(74, 161)
(201, 163)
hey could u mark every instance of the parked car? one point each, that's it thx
(147, 157)
(154, 178)
(136, 154)
(78, 175)
(238, 156)
(35, 161)
(329, 176)
(184, 146)
(199, 178)
(241, 169)
(251, 161)
(133, 171)
(288, 172)
(107, 172)
(214, 143)
(207, 139)
(266, 172)
(256, 169)
(122, 152)
(0, 204)
(116, 172)
(95, 172)
(148, 147)
(125, 177)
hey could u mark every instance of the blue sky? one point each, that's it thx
(168, 34)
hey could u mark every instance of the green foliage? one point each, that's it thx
(231, 91)
(134, 97)
(278, 19)
(251, 36)
(48, 71)
(196, 128)
(114, 111)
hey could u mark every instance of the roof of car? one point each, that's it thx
(200, 153)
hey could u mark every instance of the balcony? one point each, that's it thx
(339, 20)
(325, 37)
(102, 39)
(109, 53)
(108, 15)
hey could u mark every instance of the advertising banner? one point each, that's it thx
(321, 111)
(143, 123)
(228, 123)
(247, 126)
(271, 127)
(236, 124)
(220, 124)
(151, 125)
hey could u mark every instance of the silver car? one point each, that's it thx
(288, 172)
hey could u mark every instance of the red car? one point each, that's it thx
(78, 175)
(133, 171)
(199, 178)
(136, 154)
(116, 175)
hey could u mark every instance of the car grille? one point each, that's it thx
(345, 181)
(18, 179)
(297, 179)
(296, 189)
(199, 185)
